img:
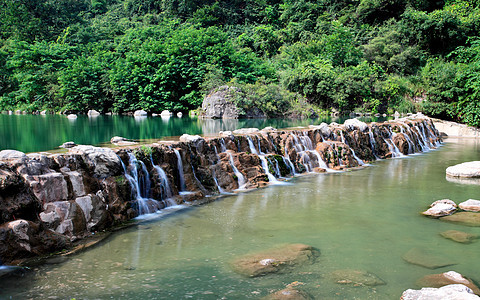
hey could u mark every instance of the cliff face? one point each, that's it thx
(47, 201)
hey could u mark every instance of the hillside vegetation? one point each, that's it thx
(287, 56)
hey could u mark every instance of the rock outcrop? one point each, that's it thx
(220, 104)
(70, 195)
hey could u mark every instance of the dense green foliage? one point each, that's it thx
(286, 56)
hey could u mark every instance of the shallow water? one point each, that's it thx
(32, 133)
(363, 219)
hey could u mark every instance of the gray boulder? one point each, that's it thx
(105, 162)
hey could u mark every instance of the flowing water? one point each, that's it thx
(364, 219)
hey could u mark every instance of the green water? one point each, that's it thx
(32, 133)
(364, 219)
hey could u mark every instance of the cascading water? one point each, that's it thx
(359, 161)
(240, 178)
(145, 205)
(165, 185)
(181, 176)
(252, 147)
(271, 178)
(372, 142)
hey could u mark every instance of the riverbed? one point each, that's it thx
(362, 219)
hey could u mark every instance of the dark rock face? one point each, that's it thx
(64, 197)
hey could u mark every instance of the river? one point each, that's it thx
(33, 133)
(364, 219)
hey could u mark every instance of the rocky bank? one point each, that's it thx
(49, 201)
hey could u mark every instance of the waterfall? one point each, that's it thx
(359, 161)
(223, 148)
(252, 147)
(289, 164)
(180, 171)
(165, 185)
(303, 146)
(271, 178)
(141, 186)
(411, 145)
(240, 178)
(372, 142)
(259, 146)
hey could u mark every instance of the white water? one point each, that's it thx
(180, 171)
(271, 178)
(252, 147)
(240, 178)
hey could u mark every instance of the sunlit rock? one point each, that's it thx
(93, 113)
(9, 155)
(351, 124)
(468, 169)
(459, 236)
(190, 138)
(68, 145)
(448, 292)
(441, 208)
(72, 116)
(447, 278)
(105, 162)
(274, 260)
(355, 278)
(140, 113)
(470, 205)
(165, 113)
(246, 131)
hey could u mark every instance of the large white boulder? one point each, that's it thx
(351, 124)
(467, 169)
(448, 292)
(140, 113)
(190, 138)
(441, 208)
(470, 205)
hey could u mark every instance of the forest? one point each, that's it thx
(288, 57)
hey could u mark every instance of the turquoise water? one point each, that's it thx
(32, 133)
(363, 219)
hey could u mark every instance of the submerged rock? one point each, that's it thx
(467, 169)
(470, 205)
(288, 293)
(426, 259)
(464, 218)
(441, 208)
(274, 260)
(459, 236)
(450, 292)
(356, 278)
(447, 278)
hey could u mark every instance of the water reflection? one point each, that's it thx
(30, 133)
